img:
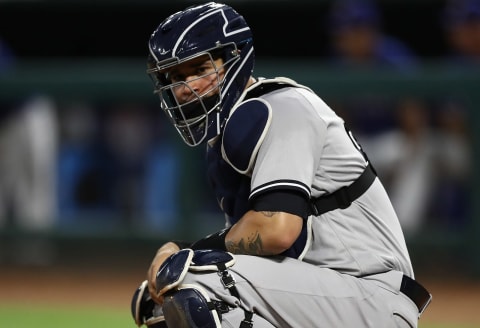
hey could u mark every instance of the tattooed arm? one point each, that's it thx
(263, 233)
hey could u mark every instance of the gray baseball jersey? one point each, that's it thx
(307, 146)
(358, 253)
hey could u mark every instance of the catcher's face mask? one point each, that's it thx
(209, 31)
(189, 92)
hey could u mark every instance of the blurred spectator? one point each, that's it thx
(84, 171)
(455, 163)
(162, 180)
(461, 22)
(6, 57)
(127, 138)
(28, 145)
(358, 39)
(28, 141)
(405, 158)
(462, 31)
(145, 166)
(117, 167)
(426, 163)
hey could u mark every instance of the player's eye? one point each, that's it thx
(201, 71)
(176, 78)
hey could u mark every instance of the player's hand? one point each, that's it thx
(162, 254)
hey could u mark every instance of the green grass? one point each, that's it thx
(16, 316)
(28, 316)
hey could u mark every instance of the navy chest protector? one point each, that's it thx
(231, 188)
(231, 159)
(244, 132)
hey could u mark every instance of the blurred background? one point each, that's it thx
(91, 170)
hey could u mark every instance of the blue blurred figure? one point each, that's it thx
(461, 19)
(358, 41)
(6, 57)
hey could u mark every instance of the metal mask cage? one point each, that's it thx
(192, 117)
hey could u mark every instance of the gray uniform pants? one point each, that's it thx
(285, 292)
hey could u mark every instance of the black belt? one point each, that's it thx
(416, 292)
(343, 197)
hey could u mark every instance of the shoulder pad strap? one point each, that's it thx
(173, 270)
(244, 132)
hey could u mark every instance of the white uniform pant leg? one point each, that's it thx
(290, 293)
(35, 202)
(233, 319)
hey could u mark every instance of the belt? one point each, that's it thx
(416, 292)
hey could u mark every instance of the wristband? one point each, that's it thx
(182, 244)
(214, 241)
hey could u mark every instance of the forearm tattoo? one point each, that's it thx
(252, 245)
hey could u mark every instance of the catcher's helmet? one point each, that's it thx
(213, 31)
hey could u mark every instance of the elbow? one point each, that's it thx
(281, 241)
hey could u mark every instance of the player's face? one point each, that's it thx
(199, 77)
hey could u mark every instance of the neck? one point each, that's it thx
(251, 81)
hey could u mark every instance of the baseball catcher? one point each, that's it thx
(311, 238)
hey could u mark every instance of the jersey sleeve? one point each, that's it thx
(290, 152)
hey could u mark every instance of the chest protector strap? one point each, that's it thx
(343, 197)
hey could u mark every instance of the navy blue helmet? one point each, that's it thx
(208, 31)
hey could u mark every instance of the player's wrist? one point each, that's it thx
(181, 244)
(214, 241)
(169, 247)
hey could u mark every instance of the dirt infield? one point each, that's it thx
(64, 286)
(456, 301)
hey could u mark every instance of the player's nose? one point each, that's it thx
(188, 90)
(193, 83)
